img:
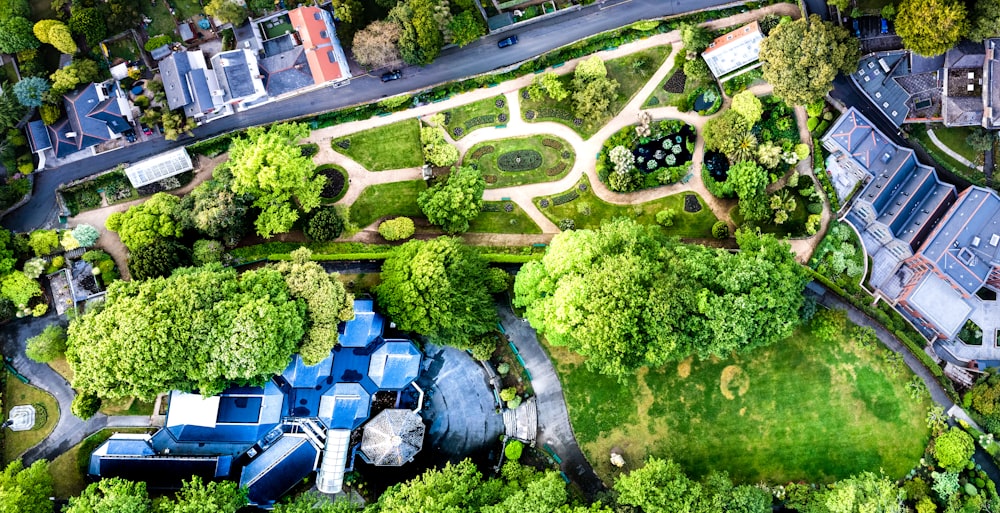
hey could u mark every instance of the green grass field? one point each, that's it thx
(631, 71)
(390, 199)
(694, 225)
(919, 132)
(552, 168)
(481, 114)
(515, 221)
(954, 139)
(799, 410)
(394, 146)
(187, 8)
(123, 48)
(163, 22)
(15, 394)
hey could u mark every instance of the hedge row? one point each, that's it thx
(495, 258)
(819, 167)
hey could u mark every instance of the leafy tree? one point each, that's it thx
(11, 111)
(206, 252)
(399, 228)
(552, 86)
(165, 39)
(348, 11)
(437, 288)
(89, 23)
(465, 28)
(86, 235)
(420, 38)
(158, 258)
(43, 242)
(694, 37)
(801, 58)
(80, 71)
(310, 502)
(327, 303)
(930, 27)
(175, 124)
(863, 493)
(749, 499)
(324, 225)
(197, 496)
(697, 69)
(31, 90)
(375, 45)
(143, 224)
(85, 405)
(453, 203)
(497, 280)
(121, 15)
(226, 11)
(721, 133)
(201, 328)
(12, 8)
(26, 490)
(592, 94)
(985, 20)
(437, 150)
(16, 35)
(269, 166)
(7, 257)
(62, 39)
(659, 486)
(215, 210)
(749, 106)
(750, 184)
(114, 495)
(47, 345)
(953, 448)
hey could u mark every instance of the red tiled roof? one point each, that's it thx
(313, 31)
(732, 37)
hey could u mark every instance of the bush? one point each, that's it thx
(85, 405)
(665, 217)
(56, 264)
(47, 345)
(157, 259)
(34, 267)
(513, 450)
(325, 225)
(400, 228)
(157, 41)
(86, 235)
(497, 280)
(720, 230)
(812, 123)
(206, 252)
(503, 369)
(508, 394)
(519, 160)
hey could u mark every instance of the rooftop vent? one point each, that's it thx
(975, 242)
(994, 239)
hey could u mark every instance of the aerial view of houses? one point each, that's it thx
(394, 256)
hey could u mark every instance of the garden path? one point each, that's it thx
(951, 153)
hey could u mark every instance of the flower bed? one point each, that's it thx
(661, 157)
(480, 120)
(565, 198)
(485, 150)
(520, 160)
(554, 171)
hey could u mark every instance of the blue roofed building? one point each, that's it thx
(95, 114)
(270, 438)
(932, 249)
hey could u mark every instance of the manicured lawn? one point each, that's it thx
(919, 132)
(954, 139)
(589, 211)
(394, 146)
(277, 27)
(16, 394)
(62, 367)
(553, 165)
(391, 199)
(69, 469)
(495, 219)
(462, 120)
(163, 22)
(127, 406)
(123, 48)
(631, 71)
(802, 409)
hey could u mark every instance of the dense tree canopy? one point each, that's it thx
(227, 11)
(269, 166)
(953, 449)
(452, 203)
(466, 27)
(750, 184)
(375, 45)
(593, 91)
(660, 486)
(31, 90)
(113, 495)
(197, 496)
(315, 503)
(437, 288)
(47, 345)
(931, 27)
(26, 490)
(420, 37)
(747, 104)
(158, 258)
(215, 210)
(143, 224)
(437, 150)
(396, 229)
(626, 296)
(985, 20)
(199, 329)
(801, 58)
(694, 37)
(80, 71)
(89, 23)
(16, 34)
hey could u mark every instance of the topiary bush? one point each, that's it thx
(325, 225)
(513, 450)
(519, 160)
(399, 228)
(85, 405)
(720, 230)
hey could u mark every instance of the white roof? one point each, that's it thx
(192, 410)
(157, 168)
(120, 71)
(941, 304)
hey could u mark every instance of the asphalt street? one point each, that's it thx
(454, 63)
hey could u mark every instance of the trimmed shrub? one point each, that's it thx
(85, 405)
(206, 252)
(513, 450)
(720, 230)
(399, 228)
(520, 160)
(325, 225)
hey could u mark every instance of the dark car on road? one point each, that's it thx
(392, 75)
(508, 41)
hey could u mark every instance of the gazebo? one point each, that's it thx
(392, 438)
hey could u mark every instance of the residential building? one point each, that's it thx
(991, 85)
(269, 438)
(95, 114)
(239, 77)
(962, 92)
(190, 85)
(734, 50)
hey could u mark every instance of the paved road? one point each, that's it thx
(554, 428)
(454, 63)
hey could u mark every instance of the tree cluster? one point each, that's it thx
(452, 203)
(625, 296)
(801, 58)
(931, 27)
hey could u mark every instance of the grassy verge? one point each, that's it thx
(69, 469)
(460, 121)
(631, 71)
(390, 199)
(61, 366)
(394, 146)
(804, 409)
(16, 394)
(919, 132)
(495, 219)
(127, 406)
(954, 138)
(589, 211)
(553, 164)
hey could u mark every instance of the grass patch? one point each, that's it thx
(954, 138)
(631, 71)
(553, 165)
(126, 406)
(163, 21)
(394, 146)
(61, 366)
(277, 27)
(123, 48)
(389, 199)
(69, 469)
(187, 8)
(919, 132)
(495, 219)
(16, 394)
(361, 283)
(460, 121)
(803, 409)
(589, 211)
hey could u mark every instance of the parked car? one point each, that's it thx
(392, 75)
(147, 131)
(885, 26)
(130, 136)
(508, 41)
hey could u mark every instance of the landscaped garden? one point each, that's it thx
(395, 146)
(460, 121)
(524, 160)
(503, 217)
(826, 403)
(336, 182)
(17, 393)
(387, 200)
(687, 87)
(647, 155)
(87, 196)
(579, 208)
(123, 48)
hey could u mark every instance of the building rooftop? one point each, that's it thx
(364, 328)
(93, 115)
(280, 467)
(734, 50)
(319, 40)
(940, 303)
(877, 75)
(967, 244)
(286, 72)
(991, 87)
(156, 168)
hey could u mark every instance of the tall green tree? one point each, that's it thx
(437, 150)
(143, 224)
(61, 38)
(19, 288)
(862, 493)
(213, 209)
(438, 288)
(593, 91)
(310, 502)
(89, 24)
(984, 20)
(953, 449)
(26, 490)
(750, 184)
(227, 11)
(694, 37)
(420, 38)
(80, 71)
(453, 203)
(202, 328)
(930, 27)
(113, 495)
(801, 58)
(466, 27)
(11, 8)
(660, 486)
(269, 166)
(158, 258)
(749, 106)
(47, 345)
(197, 496)
(16, 35)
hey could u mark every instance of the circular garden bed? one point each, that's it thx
(336, 182)
(655, 154)
(523, 160)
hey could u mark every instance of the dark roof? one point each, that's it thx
(234, 66)
(202, 95)
(62, 143)
(966, 246)
(160, 53)
(991, 84)
(38, 136)
(278, 468)
(87, 117)
(163, 472)
(921, 64)
(285, 72)
(965, 54)
(344, 406)
(880, 85)
(239, 409)
(173, 73)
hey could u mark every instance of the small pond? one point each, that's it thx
(705, 100)
(667, 151)
(717, 165)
